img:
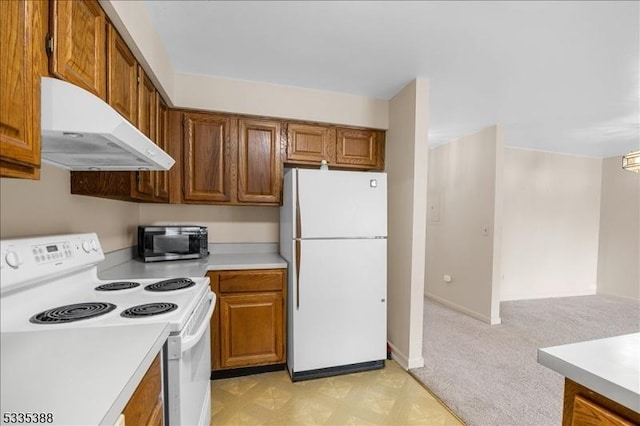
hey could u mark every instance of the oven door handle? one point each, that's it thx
(191, 341)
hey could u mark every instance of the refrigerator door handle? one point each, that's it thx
(298, 261)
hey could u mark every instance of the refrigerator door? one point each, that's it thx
(337, 204)
(338, 304)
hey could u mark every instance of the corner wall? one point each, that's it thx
(619, 243)
(551, 222)
(464, 224)
(45, 207)
(406, 165)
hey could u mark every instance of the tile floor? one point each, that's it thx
(389, 396)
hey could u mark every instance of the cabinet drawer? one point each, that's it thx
(254, 281)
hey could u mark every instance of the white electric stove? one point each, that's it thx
(49, 283)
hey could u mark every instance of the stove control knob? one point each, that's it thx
(13, 259)
(86, 246)
(94, 245)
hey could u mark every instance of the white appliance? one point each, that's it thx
(333, 234)
(80, 131)
(47, 282)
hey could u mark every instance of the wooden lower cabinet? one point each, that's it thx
(145, 407)
(584, 407)
(248, 328)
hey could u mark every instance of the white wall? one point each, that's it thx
(551, 222)
(406, 165)
(227, 224)
(619, 243)
(247, 97)
(44, 207)
(218, 94)
(464, 224)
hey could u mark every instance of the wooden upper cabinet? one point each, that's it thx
(144, 184)
(207, 157)
(146, 105)
(311, 144)
(359, 147)
(23, 62)
(79, 55)
(162, 140)
(259, 161)
(122, 77)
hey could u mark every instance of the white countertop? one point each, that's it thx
(610, 367)
(193, 268)
(83, 376)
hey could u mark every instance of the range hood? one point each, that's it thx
(82, 132)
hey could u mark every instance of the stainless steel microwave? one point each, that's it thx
(172, 242)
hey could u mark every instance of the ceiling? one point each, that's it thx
(560, 76)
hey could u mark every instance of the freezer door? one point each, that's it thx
(338, 204)
(339, 310)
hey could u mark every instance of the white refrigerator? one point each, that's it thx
(333, 235)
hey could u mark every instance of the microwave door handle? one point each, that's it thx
(191, 341)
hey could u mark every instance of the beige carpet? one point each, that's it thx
(489, 375)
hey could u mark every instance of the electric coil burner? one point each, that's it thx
(51, 284)
(71, 313)
(148, 310)
(118, 285)
(171, 285)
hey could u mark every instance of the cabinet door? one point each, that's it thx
(259, 161)
(207, 157)
(162, 178)
(79, 47)
(122, 76)
(145, 181)
(145, 405)
(251, 329)
(356, 147)
(22, 53)
(310, 144)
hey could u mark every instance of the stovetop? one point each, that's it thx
(49, 273)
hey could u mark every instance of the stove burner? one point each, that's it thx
(118, 285)
(70, 313)
(148, 310)
(170, 285)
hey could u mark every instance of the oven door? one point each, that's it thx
(189, 369)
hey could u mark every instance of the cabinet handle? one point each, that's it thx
(298, 245)
(298, 261)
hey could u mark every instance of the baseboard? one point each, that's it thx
(550, 295)
(403, 360)
(474, 314)
(617, 296)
